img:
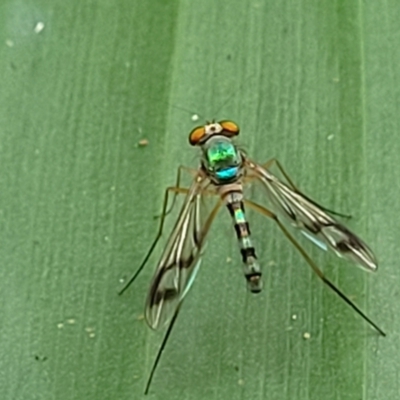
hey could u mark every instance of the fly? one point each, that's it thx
(223, 173)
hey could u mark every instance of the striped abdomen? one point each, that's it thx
(252, 271)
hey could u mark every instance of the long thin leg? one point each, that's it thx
(204, 231)
(176, 190)
(272, 161)
(312, 264)
(192, 172)
(161, 349)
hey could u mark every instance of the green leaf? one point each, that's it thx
(95, 108)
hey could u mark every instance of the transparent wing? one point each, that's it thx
(315, 223)
(180, 260)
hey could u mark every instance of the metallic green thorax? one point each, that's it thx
(220, 152)
(222, 158)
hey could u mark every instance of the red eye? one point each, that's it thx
(230, 127)
(196, 135)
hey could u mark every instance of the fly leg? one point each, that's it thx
(175, 190)
(192, 172)
(202, 234)
(161, 349)
(273, 161)
(312, 264)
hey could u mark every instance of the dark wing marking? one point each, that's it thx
(316, 224)
(179, 262)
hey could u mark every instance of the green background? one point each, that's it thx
(315, 84)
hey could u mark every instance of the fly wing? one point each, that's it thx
(179, 262)
(315, 223)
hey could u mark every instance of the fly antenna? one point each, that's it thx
(193, 113)
(231, 94)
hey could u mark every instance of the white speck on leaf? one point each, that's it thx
(306, 335)
(39, 27)
(143, 142)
